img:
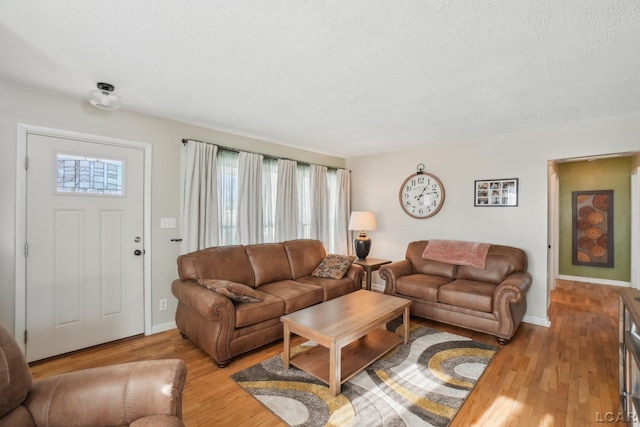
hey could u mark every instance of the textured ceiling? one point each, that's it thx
(343, 77)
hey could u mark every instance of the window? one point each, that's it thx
(269, 193)
(227, 163)
(86, 175)
(227, 177)
(304, 201)
(280, 207)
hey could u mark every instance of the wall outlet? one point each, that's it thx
(163, 304)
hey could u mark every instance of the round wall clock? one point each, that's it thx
(421, 194)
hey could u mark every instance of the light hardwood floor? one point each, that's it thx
(565, 375)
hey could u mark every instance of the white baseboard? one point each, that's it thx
(156, 329)
(537, 321)
(608, 282)
(378, 287)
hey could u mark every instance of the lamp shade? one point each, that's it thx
(363, 221)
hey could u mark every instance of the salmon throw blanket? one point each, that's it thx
(457, 252)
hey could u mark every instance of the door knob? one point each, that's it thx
(137, 252)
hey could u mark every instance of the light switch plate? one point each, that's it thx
(167, 223)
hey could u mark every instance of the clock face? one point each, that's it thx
(421, 195)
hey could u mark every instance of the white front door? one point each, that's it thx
(84, 265)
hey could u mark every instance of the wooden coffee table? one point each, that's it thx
(348, 331)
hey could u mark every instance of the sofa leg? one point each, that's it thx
(503, 341)
(184, 337)
(223, 364)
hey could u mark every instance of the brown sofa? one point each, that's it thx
(146, 393)
(280, 274)
(490, 300)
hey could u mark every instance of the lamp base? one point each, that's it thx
(362, 246)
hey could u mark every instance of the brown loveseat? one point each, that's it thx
(278, 276)
(490, 300)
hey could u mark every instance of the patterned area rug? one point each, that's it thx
(423, 383)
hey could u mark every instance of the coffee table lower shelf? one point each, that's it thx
(354, 357)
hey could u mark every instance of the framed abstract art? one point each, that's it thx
(592, 228)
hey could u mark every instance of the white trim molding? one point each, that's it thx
(156, 329)
(539, 321)
(596, 281)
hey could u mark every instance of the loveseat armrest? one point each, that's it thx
(510, 304)
(115, 395)
(391, 272)
(512, 289)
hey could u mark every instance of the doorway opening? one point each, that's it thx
(594, 173)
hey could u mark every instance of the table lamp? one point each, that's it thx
(362, 221)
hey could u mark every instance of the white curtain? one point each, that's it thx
(200, 205)
(319, 205)
(341, 241)
(287, 201)
(239, 198)
(249, 214)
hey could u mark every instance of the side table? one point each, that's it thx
(370, 265)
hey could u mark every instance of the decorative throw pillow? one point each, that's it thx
(333, 266)
(236, 292)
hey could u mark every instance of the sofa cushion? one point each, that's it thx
(269, 262)
(501, 262)
(427, 266)
(236, 292)
(468, 294)
(333, 266)
(422, 286)
(331, 288)
(296, 295)
(249, 314)
(304, 256)
(496, 269)
(222, 262)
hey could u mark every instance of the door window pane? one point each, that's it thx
(78, 174)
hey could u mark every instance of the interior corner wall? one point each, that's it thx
(603, 174)
(525, 155)
(21, 105)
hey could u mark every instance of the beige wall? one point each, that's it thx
(376, 180)
(375, 183)
(19, 105)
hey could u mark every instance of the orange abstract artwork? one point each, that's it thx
(592, 236)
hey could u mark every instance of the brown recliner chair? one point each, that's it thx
(147, 393)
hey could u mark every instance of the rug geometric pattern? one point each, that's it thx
(422, 383)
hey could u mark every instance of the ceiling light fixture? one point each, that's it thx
(104, 98)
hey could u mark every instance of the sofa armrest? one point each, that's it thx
(110, 395)
(355, 273)
(206, 317)
(509, 294)
(211, 305)
(391, 272)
